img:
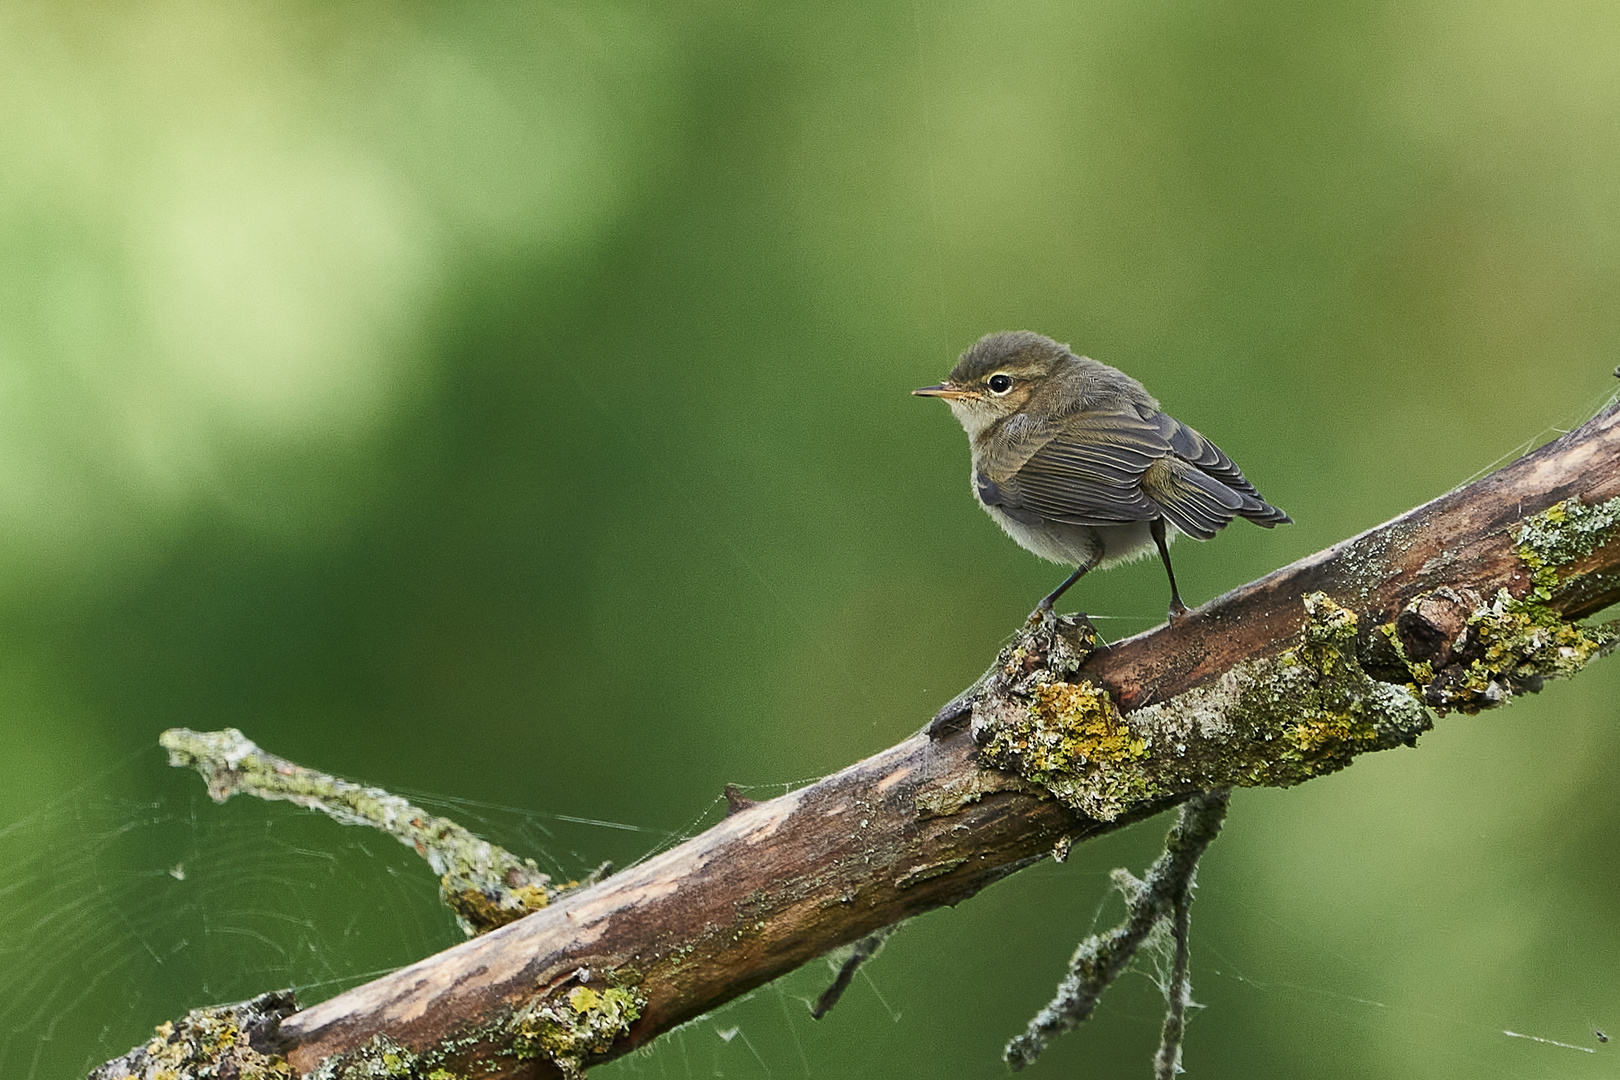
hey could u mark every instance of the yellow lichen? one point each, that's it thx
(1329, 734)
(567, 1032)
(208, 1042)
(1081, 719)
(1070, 739)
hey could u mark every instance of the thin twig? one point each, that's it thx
(1177, 992)
(485, 885)
(1164, 893)
(862, 951)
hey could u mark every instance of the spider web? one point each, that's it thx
(134, 897)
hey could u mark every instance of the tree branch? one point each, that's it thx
(1459, 604)
(485, 885)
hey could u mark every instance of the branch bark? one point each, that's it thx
(1458, 604)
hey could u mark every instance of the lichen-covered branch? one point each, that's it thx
(1461, 604)
(1273, 721)
(1163, 896)
(485, 885)
(228, 1040)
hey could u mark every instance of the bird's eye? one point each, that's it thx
(1000, 384)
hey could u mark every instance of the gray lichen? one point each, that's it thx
(1562, 534)
(485, 885)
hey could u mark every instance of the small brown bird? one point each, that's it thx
(1075, 461)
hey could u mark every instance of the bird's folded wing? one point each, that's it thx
(1194, 502)
(1194, 449)
(1090, 473)
(1114, 468)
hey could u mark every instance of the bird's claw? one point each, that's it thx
(1042, 614)
(1043, 617)
(1083, 621)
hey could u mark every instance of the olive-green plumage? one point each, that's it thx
(1075, 461)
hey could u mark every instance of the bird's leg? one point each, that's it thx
(1044, 608)
(1177, 608)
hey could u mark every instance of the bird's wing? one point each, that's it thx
(1195, 502)
(1194, 449)
(1089, 473)
(1116, 467)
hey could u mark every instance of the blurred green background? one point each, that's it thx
(508, 401)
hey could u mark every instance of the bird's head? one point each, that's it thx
(997, 377)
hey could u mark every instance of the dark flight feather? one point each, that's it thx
(1122, 466)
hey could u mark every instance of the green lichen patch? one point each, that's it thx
(378, 1058)
(569, 1028)
(214, 1042)
(1568, 531)
(1274, 722)
(1457, 650)
(1560, 535)
(1314, 707)
(1333, 723)
(1069, 738)
(1508, 645)
(1512, 646)
(1033, 723)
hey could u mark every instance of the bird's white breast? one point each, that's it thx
(1080, 545)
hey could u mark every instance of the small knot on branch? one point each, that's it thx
(736, 801)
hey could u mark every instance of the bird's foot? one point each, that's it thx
(1077, 626)
(1042, 614)
(1178, 612)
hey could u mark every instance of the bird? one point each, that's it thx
(1075, 461)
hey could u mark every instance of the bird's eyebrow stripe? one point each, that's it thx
(1014, 372)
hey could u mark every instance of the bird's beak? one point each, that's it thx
(944, 390)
